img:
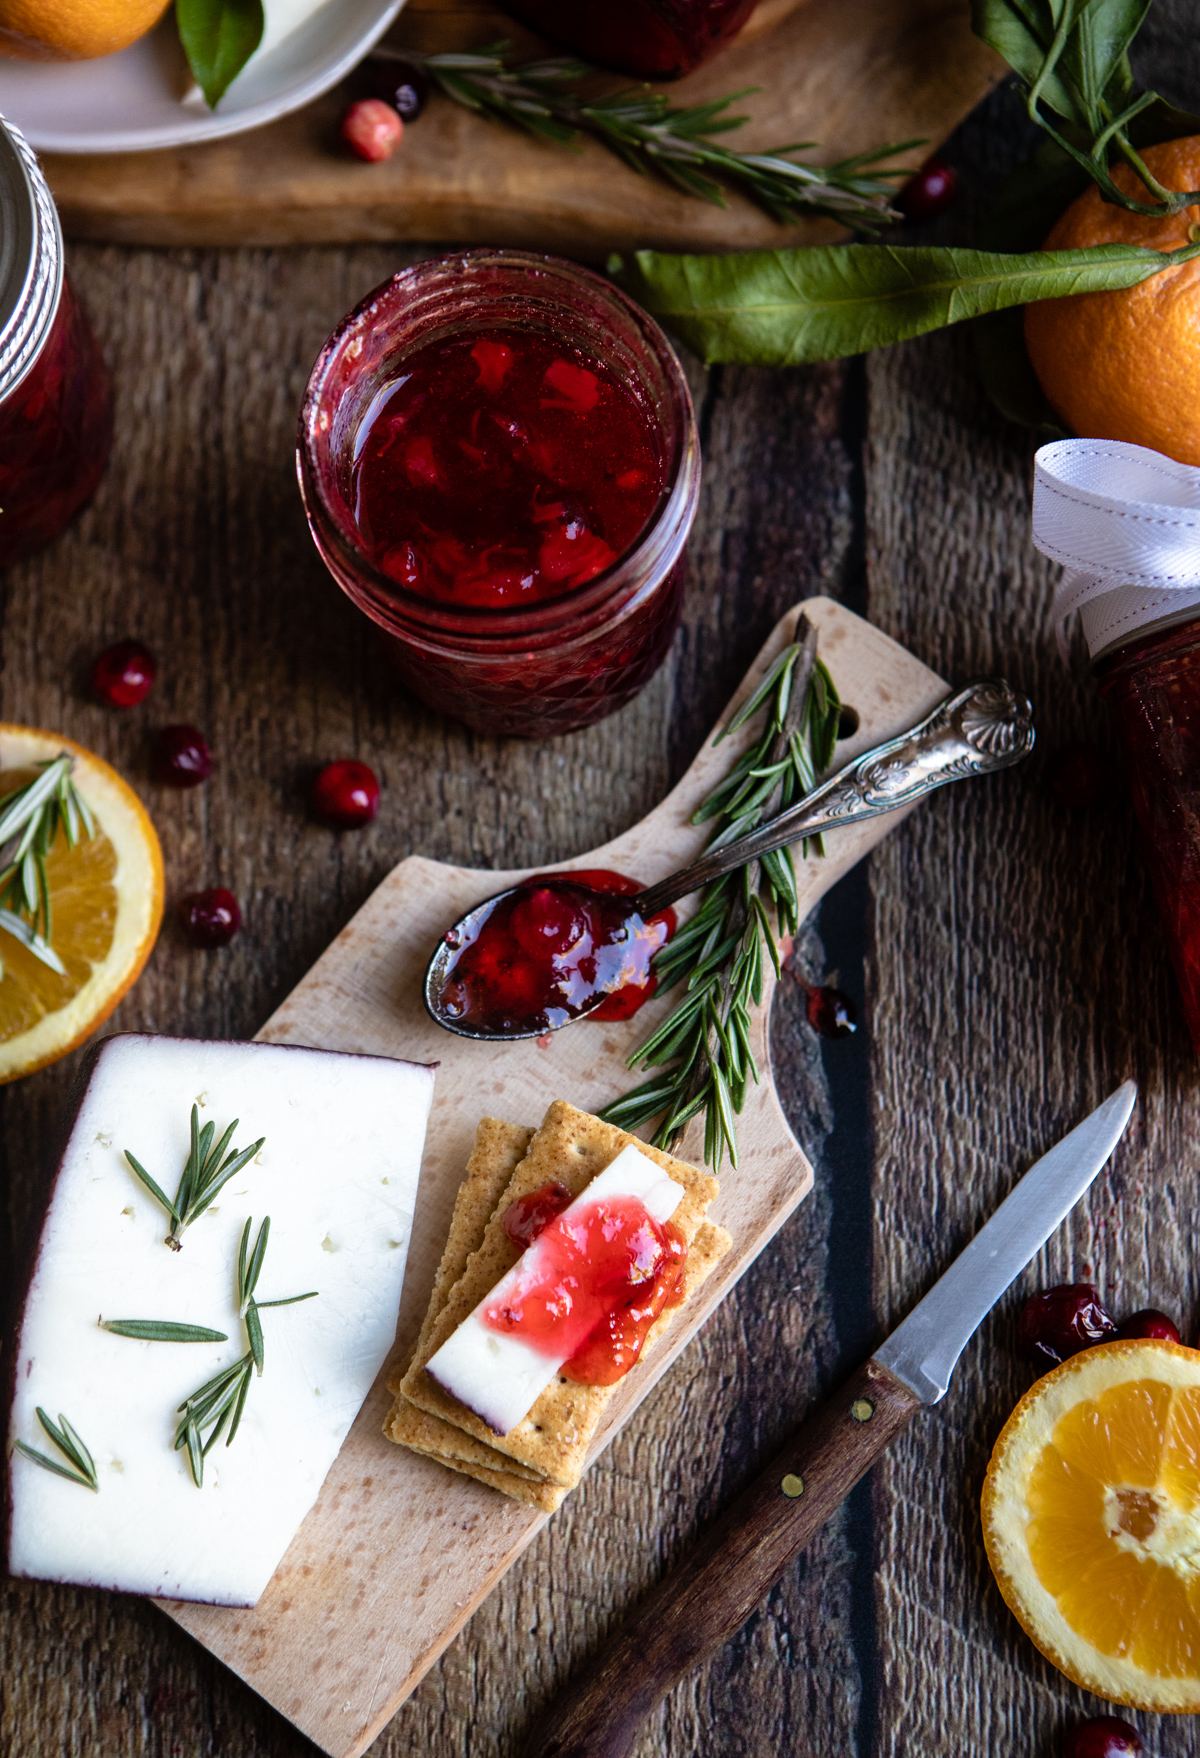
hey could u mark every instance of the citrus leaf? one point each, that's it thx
(218, 37)
(789, 307)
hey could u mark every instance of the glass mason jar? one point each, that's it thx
(656, 39)
(544, 667)
(55, 397)
(1152, 685)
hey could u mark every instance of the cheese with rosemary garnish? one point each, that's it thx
(337, 1175)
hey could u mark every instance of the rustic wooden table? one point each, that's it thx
(1004, 954)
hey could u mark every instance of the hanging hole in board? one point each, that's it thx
(849, 721)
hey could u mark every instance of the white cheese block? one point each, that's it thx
(282, 17)
(338, 1177)
(496, 1374)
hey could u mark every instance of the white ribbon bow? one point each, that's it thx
(1125, 522)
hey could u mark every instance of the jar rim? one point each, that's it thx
(665, 529)
(31, 258)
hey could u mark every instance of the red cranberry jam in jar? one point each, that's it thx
(657, 39)
(499, 464)
(55, 399)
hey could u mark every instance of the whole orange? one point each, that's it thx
(74, 30)
(1126, 365)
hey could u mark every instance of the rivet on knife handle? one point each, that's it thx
(701, 1604)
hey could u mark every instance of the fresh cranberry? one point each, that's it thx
(182, 757)
(1061, 1322)
(398, 82)
(530, 1215)
(1102, 1737)
(372, 130)
(831, 1013)
(210, 918)
(1149, 1323)
(931, 192)
(122, 676)
(1081, 777)
(346, 794)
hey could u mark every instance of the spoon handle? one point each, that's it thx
(985, 727)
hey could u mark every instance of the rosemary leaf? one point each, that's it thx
(34, 814)
(37, 1458)
(162, 1331)
(703, 1045)
(205, 1173)
(71, 1445)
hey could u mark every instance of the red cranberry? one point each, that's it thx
(210, 918)
(1081, 777)
(122, 676)
(530, 1215)
(931, 192)
(1061, 1322)
(831, 1013)
(372, 130)
(1102, 1737)
(1149, 1323)
(398, 82)
(346, 794)
(182, 757)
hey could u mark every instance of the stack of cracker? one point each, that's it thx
(544, 1456)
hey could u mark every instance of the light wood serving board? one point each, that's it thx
(398, 1551)
(850, 74)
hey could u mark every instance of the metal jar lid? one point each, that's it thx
(31, 259)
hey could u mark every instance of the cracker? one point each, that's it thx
(553, 1439)
(437, 1439)
(498, 1151)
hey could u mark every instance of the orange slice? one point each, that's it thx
(1091, 1518)
(107, 901)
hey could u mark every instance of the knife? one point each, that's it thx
(701, 1604)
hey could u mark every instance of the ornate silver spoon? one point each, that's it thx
(985, 727)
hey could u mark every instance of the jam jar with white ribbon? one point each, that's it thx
(1125, 521)
(55, 396)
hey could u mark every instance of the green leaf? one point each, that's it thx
(789, 307)
(254, 1332)
(162, 1331)
(218, 37)
(32, 1454)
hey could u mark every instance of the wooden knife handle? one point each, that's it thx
(697, 1607)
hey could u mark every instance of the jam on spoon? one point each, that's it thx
(548, 948)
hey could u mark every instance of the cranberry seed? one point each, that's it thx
(372, 130)
(1062, 1321)
(182, 757)
(346, 794)
(123, 675)
(210, 918)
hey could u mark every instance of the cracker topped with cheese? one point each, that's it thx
(495, 1387)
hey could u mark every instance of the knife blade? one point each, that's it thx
(706, 1599)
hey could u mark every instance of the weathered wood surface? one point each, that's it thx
(1012, 968)
(851, 74)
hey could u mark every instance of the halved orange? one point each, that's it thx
(107, 903)
(1091, 1518)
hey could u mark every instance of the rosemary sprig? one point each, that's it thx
(651, 135)
(222, 1399)
(147, 1330)
(703, 1045)
(206, 1171)
(34, 814)
(71, 1445)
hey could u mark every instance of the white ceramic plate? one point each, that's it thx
(130, 102)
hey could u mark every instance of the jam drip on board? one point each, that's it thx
(601, 1280)
(502, 467)
(549, 947)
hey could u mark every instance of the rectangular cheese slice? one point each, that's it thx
(498, 1374)
(337, 1174)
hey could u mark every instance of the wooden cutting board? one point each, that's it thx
(850, 74)
(398, 1551)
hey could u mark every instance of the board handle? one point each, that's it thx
(701, 1604)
